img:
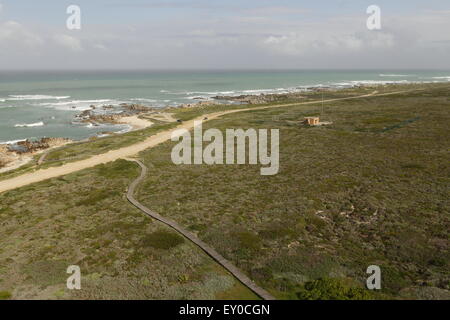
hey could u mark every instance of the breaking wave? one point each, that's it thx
(12, 141)
(26, 125)
(396, 75)
(35, 97)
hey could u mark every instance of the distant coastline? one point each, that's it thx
(14, 154)
(43, 104)
(62, 114)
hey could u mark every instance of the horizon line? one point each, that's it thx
(218, 69)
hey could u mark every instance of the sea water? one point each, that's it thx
(43, 104)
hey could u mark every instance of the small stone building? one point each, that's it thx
(312, 121)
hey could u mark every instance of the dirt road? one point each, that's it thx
(113, 155)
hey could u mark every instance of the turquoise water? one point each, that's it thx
(43, 104)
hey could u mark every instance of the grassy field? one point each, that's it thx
(84, 219)
(372, 188)
(85, 149)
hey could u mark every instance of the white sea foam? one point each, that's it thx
(144, 100)
(127, 128)
(102, 135)
(35, 97)
(77, 104)
(369, 82)
(396, 75)
(27, 125)
(12, 141)
(199, 93)
(441, 78)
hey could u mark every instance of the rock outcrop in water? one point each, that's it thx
(31, 146)
(260, 99)
(132, 109)
(14, 155)
(124, 110)
(204, 103)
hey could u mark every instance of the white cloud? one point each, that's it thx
(276, 10)
(13, 34)
(100, 46)
(248, 38)
(68, 42)
(307, 43)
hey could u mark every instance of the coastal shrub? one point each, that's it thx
(5, 295)
(394, 279)
(277, 231)
(332, 289)
(97, 196)
(241, 246)
(46, 272)
(117, 169)
(248, 244)
(248, 240)
(413, 166)
(305, 263)
(162, 240)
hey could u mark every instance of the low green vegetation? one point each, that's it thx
(5, 295)
(332, 289)
(162, 240)
(84, 219)
(348, 195)
(85, 149)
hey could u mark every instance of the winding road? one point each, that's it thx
(150, 142)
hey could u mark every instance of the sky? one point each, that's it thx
(226, 34)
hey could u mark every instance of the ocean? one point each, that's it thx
(43, 104)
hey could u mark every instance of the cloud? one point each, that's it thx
(297, 44)
(231, 35)
(99, 46)
(68, 42)
(13, 34)
(190, 4)
(276, 10)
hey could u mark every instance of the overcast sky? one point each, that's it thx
(226, 34)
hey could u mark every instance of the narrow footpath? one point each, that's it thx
(193, 238)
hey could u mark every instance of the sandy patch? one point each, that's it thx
(161, 116)
(136, 122)
(15, 161)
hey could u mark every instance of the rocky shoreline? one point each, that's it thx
(13, 156)
(111, 114)
(260, 99)
(129, 113)
(16, 154)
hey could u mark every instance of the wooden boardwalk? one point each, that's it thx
(193, 238)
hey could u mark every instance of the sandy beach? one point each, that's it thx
(136, 122)
(13, 160)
